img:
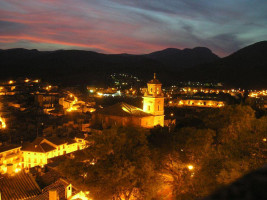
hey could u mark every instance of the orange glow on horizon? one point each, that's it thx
(52, 41)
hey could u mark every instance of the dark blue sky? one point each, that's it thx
(132, 26)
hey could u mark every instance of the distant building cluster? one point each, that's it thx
(191, 102)
(71, 103)
(25, 85)
(124, 80)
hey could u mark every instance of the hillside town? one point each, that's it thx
(42, 124)
(133, 100)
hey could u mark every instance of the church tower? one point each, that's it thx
(154, 101)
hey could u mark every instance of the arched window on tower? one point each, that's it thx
(158, 107)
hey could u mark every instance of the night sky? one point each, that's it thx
(132, 26)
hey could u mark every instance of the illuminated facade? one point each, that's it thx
(73, 104)
(10, 154)
(13, 158)
(41, 149)
(154, 101)
(194, 90)
(197, 103)
(2, 123)
(46, 101)
(123, 114)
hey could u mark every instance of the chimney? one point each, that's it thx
(26, 170)
(9, 169)
(39, 169)
(53, 195)
(68, 191)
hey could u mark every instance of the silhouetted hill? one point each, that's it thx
(245, 68)
(178, 59)
(76, 66)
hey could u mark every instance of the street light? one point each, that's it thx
(190, 167)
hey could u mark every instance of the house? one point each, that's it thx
(10, 154)
(41, 149)
(61, 190)
(45, 100)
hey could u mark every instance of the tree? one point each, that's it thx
(189, 163)
(117, 166)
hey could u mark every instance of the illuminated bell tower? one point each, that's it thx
(154, 101)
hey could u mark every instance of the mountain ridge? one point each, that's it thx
(244, 68)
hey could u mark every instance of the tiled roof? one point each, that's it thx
(46, 147)
(123, 109)
(48, 178)
(27, 146)
(154, 81)
(8, 147)
(39, 146)
(56, 140)
(19, 186)
(38, 140)
(59, 186)
(59, 141)
(70, 141)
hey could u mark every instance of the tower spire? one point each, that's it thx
(154, 75)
